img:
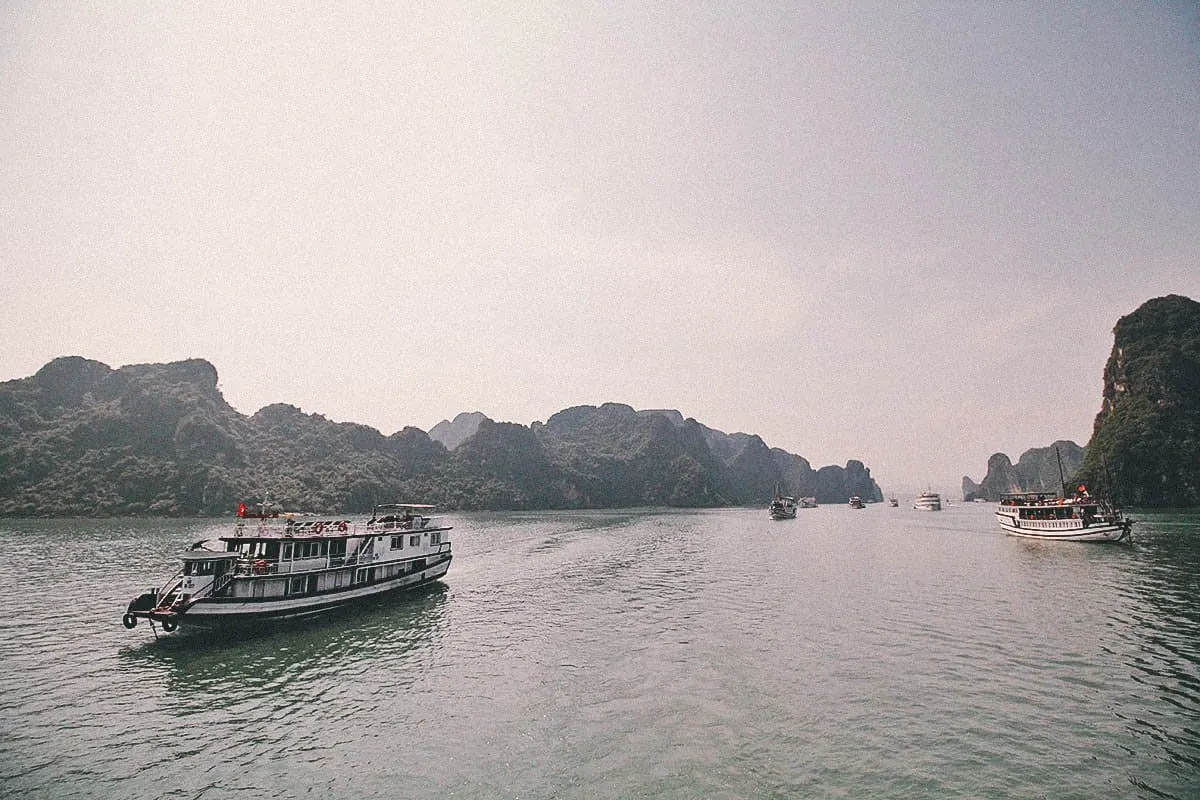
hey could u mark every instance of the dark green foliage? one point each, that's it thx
(1145, 447)
(81, 439)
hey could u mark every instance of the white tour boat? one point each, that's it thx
(273, 567)
(856, 502)
(1045, 515)
(928, 501)
(808, 502)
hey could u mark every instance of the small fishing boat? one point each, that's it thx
(856, 502)
(928, 501)
(1047, 515)
(274, 566)
(782, 507)
(893, 502)
(808, 502)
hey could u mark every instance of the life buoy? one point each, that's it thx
(129, 621)
(169, 625)
(318, 527)
(342, 526)
(260, 567)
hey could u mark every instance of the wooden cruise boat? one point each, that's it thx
(782, 507)
(856, 502)
(273, 567)
(1046, 515)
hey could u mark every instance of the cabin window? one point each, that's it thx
(287, 551)
(337, 548)
(308, 549)
(414, 541)
(397, 542)
(435, 538)
(298, 584)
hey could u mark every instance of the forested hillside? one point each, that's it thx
(81, 439)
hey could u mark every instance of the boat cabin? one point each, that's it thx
(1050, 506)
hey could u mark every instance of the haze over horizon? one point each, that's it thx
(894, 233)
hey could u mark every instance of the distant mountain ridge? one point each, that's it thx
(1037, 470)
(79, 438)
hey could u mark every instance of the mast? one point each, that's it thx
(1062, 480)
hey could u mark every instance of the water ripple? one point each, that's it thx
(628, 654)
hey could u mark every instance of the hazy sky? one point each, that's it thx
(897, 232)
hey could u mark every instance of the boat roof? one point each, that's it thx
(404, 506)
(209, 555)
(1042, 497)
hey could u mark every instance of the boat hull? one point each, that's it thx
(220, 612)
(1055, 530)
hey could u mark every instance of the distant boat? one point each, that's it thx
(928, 501)
(782, 507)
(893, 502)
(808, 502)
(856, 502)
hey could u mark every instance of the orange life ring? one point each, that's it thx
(342, 526)
(260, 567)
(318, 527)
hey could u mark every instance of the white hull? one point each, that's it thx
(1063, 530)
(219, 612)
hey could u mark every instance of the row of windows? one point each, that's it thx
(415, 541)
(398, 542)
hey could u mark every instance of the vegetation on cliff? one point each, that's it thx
(1145, 446)
(81, 439)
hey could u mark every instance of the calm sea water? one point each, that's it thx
(716, 654)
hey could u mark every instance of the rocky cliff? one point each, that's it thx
(464, 426)
(1037, 470)
(1145, 446)
(81, 439)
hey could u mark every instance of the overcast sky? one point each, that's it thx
(896, 232)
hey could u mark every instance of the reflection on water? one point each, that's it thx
(388, 634)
